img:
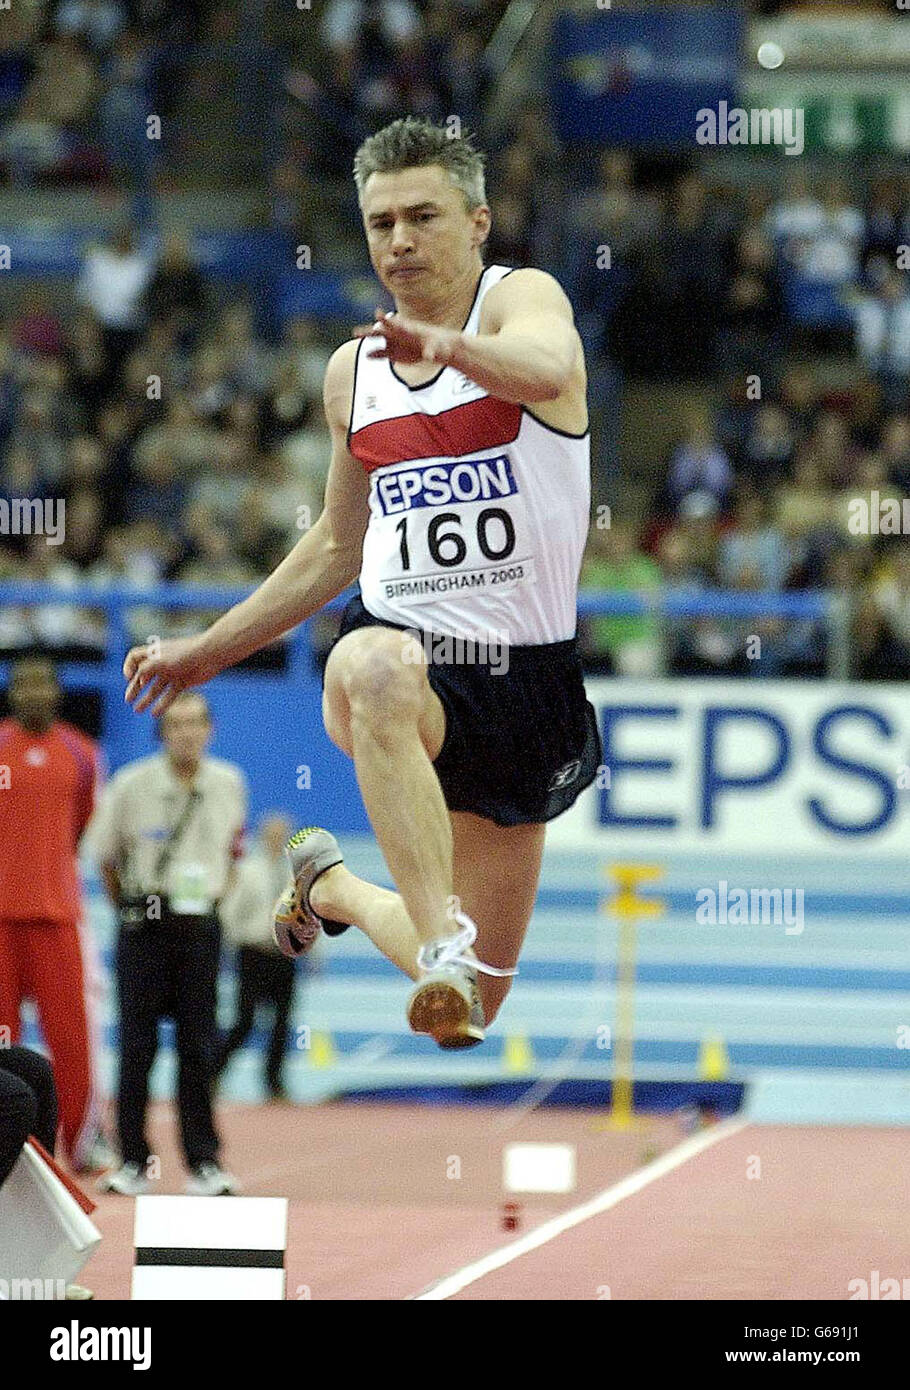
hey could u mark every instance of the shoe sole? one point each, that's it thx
(444, 1013)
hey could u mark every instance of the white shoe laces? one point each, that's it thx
(452, 950)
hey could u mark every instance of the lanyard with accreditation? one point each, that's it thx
(189, 897)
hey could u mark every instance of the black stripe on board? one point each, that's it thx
(210, 1259)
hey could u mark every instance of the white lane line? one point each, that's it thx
(611, 1197)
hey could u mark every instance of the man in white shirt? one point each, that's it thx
(167, 833)
(113, 282)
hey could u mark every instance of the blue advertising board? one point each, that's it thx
(638, 77)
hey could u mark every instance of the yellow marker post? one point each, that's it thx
(628, 906)
(713, 1060)
(322, 1050)
(518, 1055)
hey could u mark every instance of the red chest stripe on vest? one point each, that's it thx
(482, 424)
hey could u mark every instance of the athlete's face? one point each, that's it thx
(421, 235)
(34, 695)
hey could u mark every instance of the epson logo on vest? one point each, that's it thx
(438, 484)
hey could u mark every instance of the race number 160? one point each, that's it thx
(448, 548)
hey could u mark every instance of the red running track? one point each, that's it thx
(377, 1211)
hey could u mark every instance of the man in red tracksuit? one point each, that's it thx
(48, 777)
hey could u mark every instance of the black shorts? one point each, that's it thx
(520, 744)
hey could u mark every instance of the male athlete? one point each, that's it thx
(459, 491)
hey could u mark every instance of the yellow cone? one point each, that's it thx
(518, 1055)
(713, 1062)
(322, 1050)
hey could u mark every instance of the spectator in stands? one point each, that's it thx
(752, 554)
(459, 58)
(804, 515)
(882, 317)
(799, 396)
(248, 362)
(37, 328)
(865, 411)
(614, 212)
(158, 491)
(666, 322)
(123, 112)
(343, 21)
(193, 442)
(821, 238)
(290, 200)
(87, 363)
(40, 436)
(687, 551)
(896, 451)
(884, 619)
(887, 224)
(832, 252)
(211, 389)
(831, 444)
(84, 526)
(699, 463)
(176, 292)
(794, 220)
(113, 285)
(767, 451)
(97, 22)
(626, 644)
(264, 975)
(214, 562)
(753, 309)
(511, 235)
(52, 115)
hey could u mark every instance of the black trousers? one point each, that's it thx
(28, 1104)
(168, 969)
(263, 977)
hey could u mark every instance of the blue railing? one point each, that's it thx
(278, 714)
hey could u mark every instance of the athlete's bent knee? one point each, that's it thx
(379, 685)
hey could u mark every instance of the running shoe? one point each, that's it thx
(208, 1180)
(446, 1002)
(129, 1180)
(311, 852)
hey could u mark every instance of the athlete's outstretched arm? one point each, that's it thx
(322, 563)
(527, 349)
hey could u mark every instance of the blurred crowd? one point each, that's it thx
(78, 79)
(756, 492)
(184, 445)
(189, 445)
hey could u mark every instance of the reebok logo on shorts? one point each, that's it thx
(566, 775)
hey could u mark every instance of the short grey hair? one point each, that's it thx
(411, 143)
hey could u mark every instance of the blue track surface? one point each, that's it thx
(828, 1003)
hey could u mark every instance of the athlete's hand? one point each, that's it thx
(157, 671)
(409, 340)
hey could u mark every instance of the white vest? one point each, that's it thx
(478, 511)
